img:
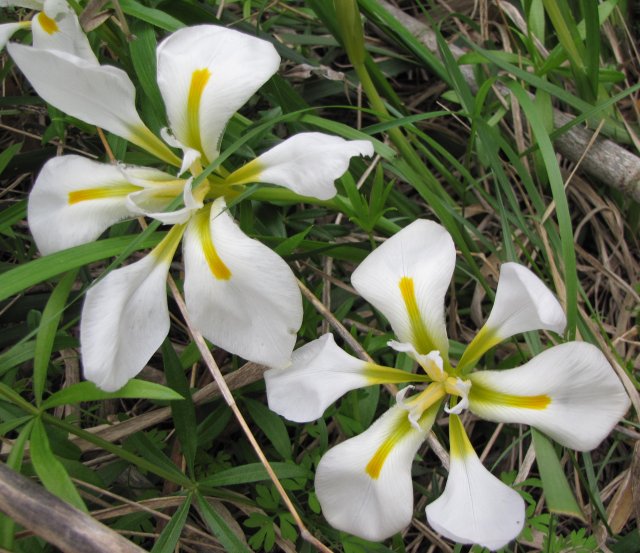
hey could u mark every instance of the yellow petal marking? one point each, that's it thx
(459, 444)
(167, 247)
(48, 25)
(479, 394)
(216, 265)
(248, 173)
(481, 343)
(419, 335)
(101, 193)
(400, 431)
(374, 466)
(199, 79)
(377, 374)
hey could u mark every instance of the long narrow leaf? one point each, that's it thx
(47, 331)
(50, 470)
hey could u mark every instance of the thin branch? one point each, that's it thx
(57, 522)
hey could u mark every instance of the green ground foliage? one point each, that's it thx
(463, 124)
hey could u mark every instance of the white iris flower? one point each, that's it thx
(241, 295)
(569, 391)
(54, 26)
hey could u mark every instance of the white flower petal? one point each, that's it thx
(151, 201)
(320, 372)
(206, 73)
(569, 392)
(189, 155)
(475, 507)
(29, 4)
(74, 201)
(125, 318)
(406, 278)
(101, 95)
(364, 484)
(431, 362)
(8, 29)
(57, 28)
(523, 303)
(307, 163)
(241, 295)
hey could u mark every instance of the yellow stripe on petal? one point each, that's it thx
(374, 466)
(478, 394)
(48, 25)
(199, 79)
(377, 374)
(167, 247)
(481, 343)
(420, 337)
(248, 173)
(101, 193)
(459, 444)
(216, 265)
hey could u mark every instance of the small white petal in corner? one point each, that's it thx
(320, 373)
(58, 28)
(366, 489)
(476, 507)
(523, 303)
(124, 321)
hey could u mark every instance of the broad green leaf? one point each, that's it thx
(88, 391)
(7, 155)
(50, 470)
(47, 331)
(271, 424)
(557, 491)
(253, 472)
(167, 540)
(219, 527)
(11, 215)
(156, 17)
(41, 269)
(143, 56)
(25, 351)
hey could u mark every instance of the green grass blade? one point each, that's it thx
(271, 424)
(47, 332)
(219, 527)
(183, 411)
(14, 461)
(50, 470)
(562, 207)
(88, 391)
(41, 269)
(558, 494)
(253, 472)
(168, 539)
